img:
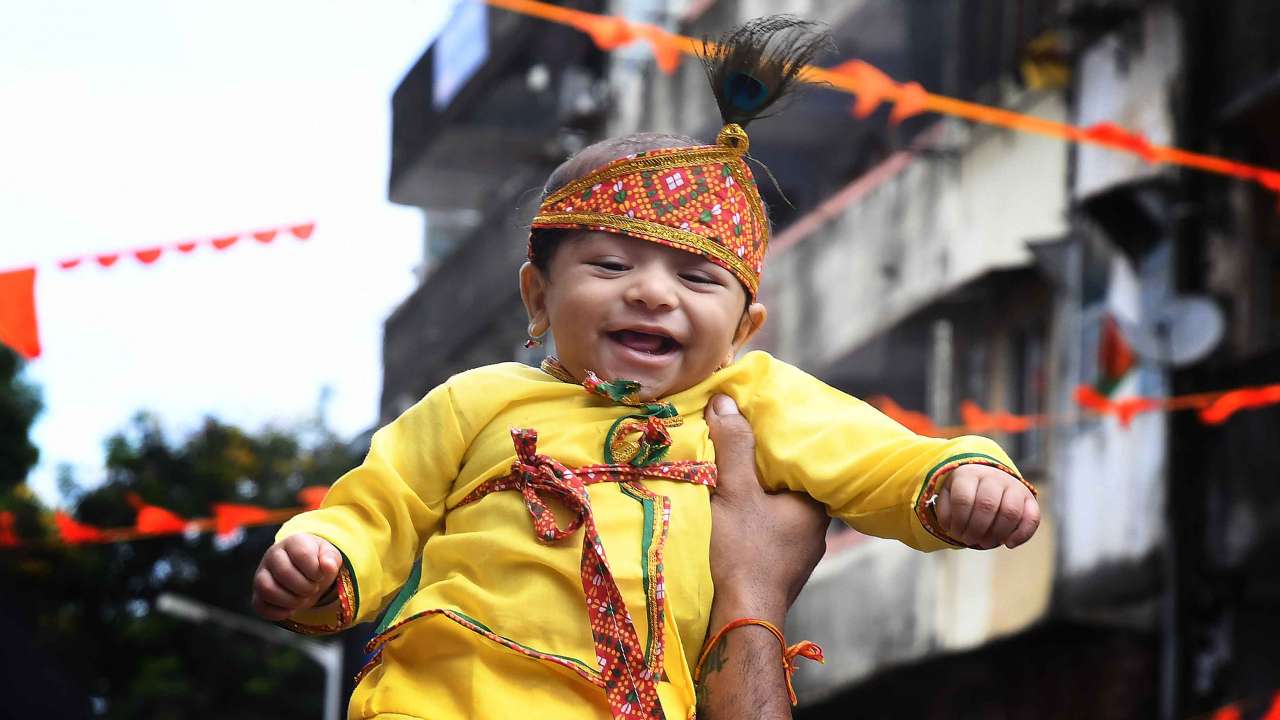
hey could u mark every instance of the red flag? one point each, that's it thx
(607, 32)
(1122, 139)
(302, 232)
(18, 327)
(73, 533)
(1115, 356)
(977, 420)
(68, 263)
(223, 243)
(229, 517)
(1124, 410)
(8, 536)
(916, 422)
(265, 236)
(1228, 404)
(186, 247)
(153, 520)
(108, 259)
(666, 51)
(911, 101)
(873, 86)
(311, 496)
(1274, 712)
(148, 256)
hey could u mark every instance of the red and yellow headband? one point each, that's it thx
(701, 199)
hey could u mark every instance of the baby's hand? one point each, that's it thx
(293, 575)
(983, 507)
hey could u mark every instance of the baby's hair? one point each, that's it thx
(545, 241)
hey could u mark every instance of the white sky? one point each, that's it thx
(129, 123)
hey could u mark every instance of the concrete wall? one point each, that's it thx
(931, 225)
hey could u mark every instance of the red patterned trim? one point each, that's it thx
(629, 679)
(580, 667)
(927, 498)
(346, 606)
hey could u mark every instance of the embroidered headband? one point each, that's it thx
(702, 199)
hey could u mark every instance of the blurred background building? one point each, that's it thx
(937, 262)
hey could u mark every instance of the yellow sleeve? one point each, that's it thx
(381, 513)
(867, 469)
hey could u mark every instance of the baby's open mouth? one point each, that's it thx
(651, 343)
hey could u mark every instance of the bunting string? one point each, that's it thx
(153, 521)
(19, 327)
(873, 88)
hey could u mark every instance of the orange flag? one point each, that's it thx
(229, 517)
(312, 496)
(1233, 402)
(916, 422)
(154, 520)
(8, 536)
(18, 327)
(976, 419)
(73, 533)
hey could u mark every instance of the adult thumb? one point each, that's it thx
(735, 446)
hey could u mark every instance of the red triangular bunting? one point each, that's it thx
(73, 533)
(302, 232)
(8, 535)
(265, 236)
(229, 517)
(108, 260)
(186, 247)
(154, 520)
(312, 495)
(911, 101)
(146, 257)
(68, 263)
(18, 327)
(225, 242)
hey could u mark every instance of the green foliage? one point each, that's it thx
(19, 405)
(92, 606)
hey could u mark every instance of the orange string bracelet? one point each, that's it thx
(804, 648)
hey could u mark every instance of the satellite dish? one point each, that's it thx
(1181, 332)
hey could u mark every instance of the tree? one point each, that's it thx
(92, 604)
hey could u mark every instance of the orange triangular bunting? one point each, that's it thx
(18, 327)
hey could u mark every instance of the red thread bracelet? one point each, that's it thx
(804, 648)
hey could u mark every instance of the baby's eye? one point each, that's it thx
(700, 278)
(610, 265)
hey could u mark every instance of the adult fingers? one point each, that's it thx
(1028, 525)
(1008, 515)
(287, 576)
(961, 488)
(735, 448)
(986, 501)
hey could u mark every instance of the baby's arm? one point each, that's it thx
(369, 530)
(871, 472)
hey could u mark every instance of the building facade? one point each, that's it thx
(940, 263)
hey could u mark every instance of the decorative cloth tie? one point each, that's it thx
(630, 683)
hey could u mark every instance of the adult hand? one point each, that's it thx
(763, 549)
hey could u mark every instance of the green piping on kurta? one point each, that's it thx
(407, 591)
(486, 628)
(646, 544)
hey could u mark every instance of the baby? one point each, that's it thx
(538, 538)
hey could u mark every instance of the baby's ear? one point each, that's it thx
(752, 320)
(533, 291)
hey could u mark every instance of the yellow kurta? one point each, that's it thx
(489, 598)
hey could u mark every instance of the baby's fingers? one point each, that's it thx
(288, 577)
(270, 600)
(1027, 526)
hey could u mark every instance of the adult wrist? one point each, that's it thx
(747, 601)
